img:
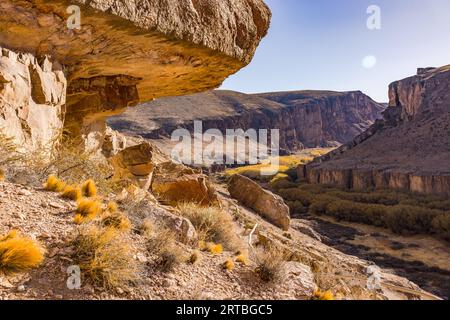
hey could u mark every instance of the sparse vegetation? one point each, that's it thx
(18, 253)
(213, 225)
(214, 248)
(116, 220)
(87, 210)
(195, 257)
(105, 256)
(112, 207)
(88, 189)
(286, 164)
(402, 212)
(323, 295)
(9, 153)
(162, 244)
(54, 184)
(169, 258)
(228, 264)
(71, 192)
(270, 264)
(147, 228)
(242, 259)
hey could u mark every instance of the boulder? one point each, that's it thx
(135, 164)
(176, 184)
(182, 227)
(265, 203)
(297, 281)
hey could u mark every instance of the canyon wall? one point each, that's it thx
(124, 52)
(407, 150)
(304, 118)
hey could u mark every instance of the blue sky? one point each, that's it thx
(320, 44)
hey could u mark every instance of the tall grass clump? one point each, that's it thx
(105, 256)
(54, 184)
(71, 192)
(87, 210)
(213, 225)
(270, 264)
(89, 189)
(18, 253)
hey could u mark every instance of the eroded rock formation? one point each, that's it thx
(305, 118)
(32, 98)
(129, 52)
(264, 202)
(407, 150)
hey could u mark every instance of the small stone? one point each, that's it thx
(56, 205)
(119, 290)
(25, 192)
(141, 258)
(21, 288)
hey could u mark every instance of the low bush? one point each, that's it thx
(270, 264)
(401, 212)
(213, 225)
(163, 246)
(105, 256)
(116, 220)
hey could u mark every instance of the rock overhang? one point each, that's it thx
(169, 47)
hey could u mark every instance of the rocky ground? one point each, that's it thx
(45, 217)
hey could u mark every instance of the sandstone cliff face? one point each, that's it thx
(408, 150)
(32, 96)
(305, 118)
(128, 52)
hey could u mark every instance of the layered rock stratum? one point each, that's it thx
(304, 118)
(124, 53)
(407, 150)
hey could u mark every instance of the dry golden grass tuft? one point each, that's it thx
(116, 220)
(242, 259)
(147, 228)
(71, 192)
(213, 225)
(322, 295)
(270, 264)
(18, 253)
(169, 258)
(2, 175)
(89, 189)
(9, 154)
(87, 210)
(228, 265)
(213, 248)
(162, 244)
(112, 207)
(195, 257)
(54, 184)
(105, 256)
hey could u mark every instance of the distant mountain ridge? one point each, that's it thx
(305, 118)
